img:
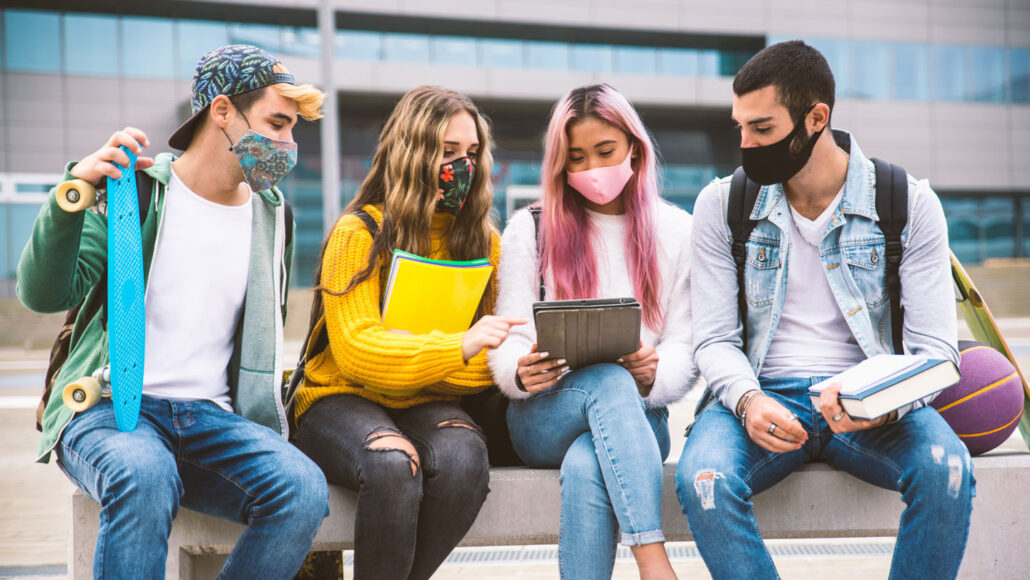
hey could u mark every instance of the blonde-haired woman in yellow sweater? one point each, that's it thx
(378, 409)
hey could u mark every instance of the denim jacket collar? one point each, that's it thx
(859, 187)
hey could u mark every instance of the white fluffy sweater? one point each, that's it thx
(519, 288)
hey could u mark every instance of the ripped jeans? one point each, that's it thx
(919, 456)
(421, 475)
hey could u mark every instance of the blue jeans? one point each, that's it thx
(197, 455)
(593, 425)
(919, 456)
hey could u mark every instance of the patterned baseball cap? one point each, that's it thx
(228, 70)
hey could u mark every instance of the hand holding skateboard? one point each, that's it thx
(79, 194)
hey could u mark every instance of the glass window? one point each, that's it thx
(592, 58)
(91, 44)
(32, 41)
(636, 59)
(911, 72)
(872, 70)
(1019, 81)
(406, 47)
(548, 55)
(501, 53)
(730, 61)
(263, 36)
(301, 41)
(147, 47)
(987, 74)
(195, 39)
(677, 61)
(836, 53)
(455, 50)
(708, 63)
(358, 44)
(948, 71)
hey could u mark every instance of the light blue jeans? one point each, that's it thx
(593, 425)
(920, 456)
(194, 454)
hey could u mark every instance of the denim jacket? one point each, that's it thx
(852, 251)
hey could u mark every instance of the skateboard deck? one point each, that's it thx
(126, 318)
(985, 330)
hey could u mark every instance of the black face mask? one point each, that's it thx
(774, 163)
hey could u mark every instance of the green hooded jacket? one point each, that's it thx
(63, 263)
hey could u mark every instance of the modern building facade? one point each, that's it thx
(941, 87)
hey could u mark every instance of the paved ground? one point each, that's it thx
(35, 502)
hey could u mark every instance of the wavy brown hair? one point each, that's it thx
(404, 179)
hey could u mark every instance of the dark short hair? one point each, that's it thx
(800, 73)
(244, 101)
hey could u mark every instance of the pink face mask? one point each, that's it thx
(602, 184)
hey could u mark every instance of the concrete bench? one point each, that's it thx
(523, 506)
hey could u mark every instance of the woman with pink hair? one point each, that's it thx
(603, 232)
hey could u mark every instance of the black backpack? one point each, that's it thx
(891, 208)
(62, 344)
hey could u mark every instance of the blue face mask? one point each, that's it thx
(264, 160)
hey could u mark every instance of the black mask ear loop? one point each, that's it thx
(245, 120)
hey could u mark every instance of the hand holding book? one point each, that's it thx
(838, 419)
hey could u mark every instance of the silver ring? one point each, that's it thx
(838, 416)
(772, 427)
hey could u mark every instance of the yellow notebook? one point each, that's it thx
(423, 295)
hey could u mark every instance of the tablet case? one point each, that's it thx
(586, 332)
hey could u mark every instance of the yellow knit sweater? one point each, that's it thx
(363, 357)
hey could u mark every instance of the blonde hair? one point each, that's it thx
(309, 99)
(404, 179)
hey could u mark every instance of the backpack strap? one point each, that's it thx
(743, 195)
(288, 211)
(892, 212)
(534, 210)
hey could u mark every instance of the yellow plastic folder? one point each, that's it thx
(423, 295)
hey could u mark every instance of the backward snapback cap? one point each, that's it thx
(228, 70)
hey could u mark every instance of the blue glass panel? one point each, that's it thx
(636, 59)
(871, 63)
(708, 63)
(501, 53)
(21, 217)
(678, 61)
(406, 47)
(264, 36)
(32, 41)
(730, 61)
(359, 44)
(948, 66)
(987, 74)
(455, 50)
(90, 44)
(1019, 81)
(591, 58)
(147, 47)
(301, 41)
(911, 72)
(836, 53)
(195, 39)
(547, 55)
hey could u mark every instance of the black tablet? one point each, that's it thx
(586, 332)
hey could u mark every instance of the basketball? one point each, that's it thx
(985, 405)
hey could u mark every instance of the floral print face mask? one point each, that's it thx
(455, 182)
(264, 160)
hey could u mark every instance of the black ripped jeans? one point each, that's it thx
(412, 510)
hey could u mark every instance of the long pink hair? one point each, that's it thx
(565, 231)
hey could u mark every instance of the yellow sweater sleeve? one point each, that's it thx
(365, 352)
(476, 375)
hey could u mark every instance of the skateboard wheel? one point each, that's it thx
(75, 195)
(81, 394)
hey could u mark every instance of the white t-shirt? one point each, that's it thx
(196, 291)
(812, 337)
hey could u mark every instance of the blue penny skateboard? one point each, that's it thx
(126, 318)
